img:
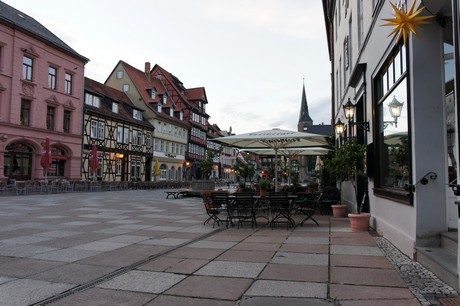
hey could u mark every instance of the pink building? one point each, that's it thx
(41, 95)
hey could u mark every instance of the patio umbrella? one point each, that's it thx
(156, 169)
(45, 160)
(274, 139)
(93, 161)
(290, 152)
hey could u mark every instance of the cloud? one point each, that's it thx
(289, 18)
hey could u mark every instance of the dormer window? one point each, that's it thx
(115, 107)
(153, 93)
(165, 98)
(181, 115)
(171, 112)
(159, 107)
(92, 100)
(137, 114)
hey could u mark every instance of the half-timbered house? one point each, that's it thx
(171, 128)
(123, 137)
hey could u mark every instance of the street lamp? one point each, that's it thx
(395, 108)
(349, 111)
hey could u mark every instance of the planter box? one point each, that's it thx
(339, 211)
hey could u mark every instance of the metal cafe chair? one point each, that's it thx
(281, 209)
(244, 204)
(306, 204)
(215, 206)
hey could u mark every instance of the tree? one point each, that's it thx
(207, 164)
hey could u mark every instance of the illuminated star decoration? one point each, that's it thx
(406, 22)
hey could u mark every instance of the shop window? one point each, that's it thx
(393, 145)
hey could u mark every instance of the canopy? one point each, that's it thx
(312, 151)
(275, 139)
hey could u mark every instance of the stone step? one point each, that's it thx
(441, 262)
(449, 242)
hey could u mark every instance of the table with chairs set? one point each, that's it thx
(239, 208)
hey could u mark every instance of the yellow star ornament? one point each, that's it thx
(406, 22)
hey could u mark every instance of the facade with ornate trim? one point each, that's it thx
(41, 95)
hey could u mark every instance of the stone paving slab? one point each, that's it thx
(305, 248)
(174, 265)
(276, 301)
(220, 288)
(301, 259)
(366, 276)
(287, 289)
(165, 300)
(101, 296)
(360, 261)
(28, 291)
(143, 281)
(231, 269)
(72, 273)
(356, 250)
(308, 240)
(24, 267)
(250, 256)
(301, 273)
(356, 292)
(22, 250)
(66, 255)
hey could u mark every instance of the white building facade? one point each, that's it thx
(411, 158)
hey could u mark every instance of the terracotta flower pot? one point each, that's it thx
(339, 211)
(359, 222)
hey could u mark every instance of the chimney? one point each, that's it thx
(147, 70)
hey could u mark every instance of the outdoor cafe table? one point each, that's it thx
(262, 204)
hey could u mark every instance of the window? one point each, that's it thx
(360, 23)
(92, 100)
(68, 83)
(137, 138)
(27, 68)
(125, 87)
(97, 129)
(66, 122)
(165, 98)
(137, 114)
(148, 140)
(153, 93)
(52, 77)
(119, 74)
(118, 167)
(123, 135)
(393, 141)
(135, 168)
(115, 107)
(25, 112)
(50, 112)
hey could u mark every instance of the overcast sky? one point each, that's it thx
(250, 55)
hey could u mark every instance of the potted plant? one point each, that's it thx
(263, 185)
(343, 165)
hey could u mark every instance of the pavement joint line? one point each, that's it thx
(118, 272)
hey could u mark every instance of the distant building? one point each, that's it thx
(171, 128)
(123, 137)
(300, 164)
(41, 95)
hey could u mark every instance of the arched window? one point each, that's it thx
(18, 161)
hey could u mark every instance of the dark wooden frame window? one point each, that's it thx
(50, 117)
(66, 121)
(27, 68)
(25, 112)
(52, 74)
(68, 83)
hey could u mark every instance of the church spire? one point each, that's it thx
(304, 117)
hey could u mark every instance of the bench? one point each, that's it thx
(197, 187)
(175, 194)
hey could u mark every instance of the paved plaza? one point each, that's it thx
(136, 247)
